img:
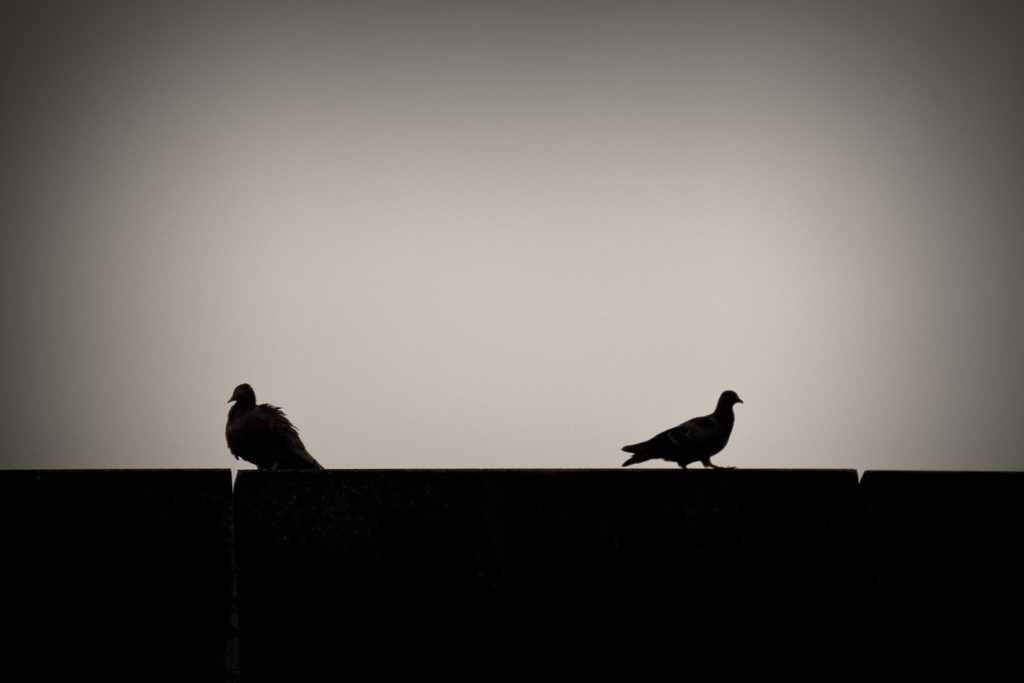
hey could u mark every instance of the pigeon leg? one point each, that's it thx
(707, 463)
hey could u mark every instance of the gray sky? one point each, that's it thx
(513, 234)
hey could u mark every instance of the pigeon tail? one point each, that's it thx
(635, 459)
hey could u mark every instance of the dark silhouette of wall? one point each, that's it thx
(358, 562)
(116, 575)
(128, 575)
(949, 558)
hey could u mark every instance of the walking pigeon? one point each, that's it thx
(262, 435)
(694, 440)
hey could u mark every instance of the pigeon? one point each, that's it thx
(262, 435)
(694, 440)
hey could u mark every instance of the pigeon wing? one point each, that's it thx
(279, 431)
(668, 441)
(698, 431)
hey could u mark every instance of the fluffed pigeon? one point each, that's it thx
(262, 435)
(695, 440)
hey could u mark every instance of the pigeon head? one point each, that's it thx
(244, 394)
(728, 399)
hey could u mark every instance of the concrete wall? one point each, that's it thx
(123, 572)
(949, 560)
(116, 575)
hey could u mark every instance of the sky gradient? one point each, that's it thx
(513, 234)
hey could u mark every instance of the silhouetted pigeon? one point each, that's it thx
(694, 440)
(262, 435)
